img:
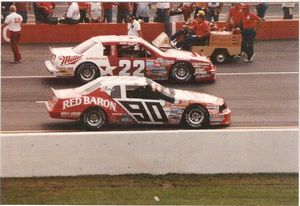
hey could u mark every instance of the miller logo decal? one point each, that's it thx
(65, 60)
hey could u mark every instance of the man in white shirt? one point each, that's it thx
(133, 27)
(14, 22)
(72, 14)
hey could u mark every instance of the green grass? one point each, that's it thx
(222, 189)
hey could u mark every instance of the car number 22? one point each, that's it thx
(125, 66)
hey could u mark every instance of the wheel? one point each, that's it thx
(196, 117)
(87, 72)
(181, 72)
(220, 56)
(94, 119)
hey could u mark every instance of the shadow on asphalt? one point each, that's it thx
(71, 126)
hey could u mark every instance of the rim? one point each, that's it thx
(220, 58)
(196, 116)
(87, 74)
(94, 118)
(182, 73)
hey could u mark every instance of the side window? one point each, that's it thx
(106, 51)
(125, 51)
(116, 92)
(142, 92)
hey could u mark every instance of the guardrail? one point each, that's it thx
(44, 33)
(154, 152)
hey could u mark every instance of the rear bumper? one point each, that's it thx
(59, 73)
(52, 113)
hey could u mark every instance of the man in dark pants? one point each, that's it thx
(249, 21)
(163, 15)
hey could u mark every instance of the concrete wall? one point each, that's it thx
(44, 33)
(182, 151)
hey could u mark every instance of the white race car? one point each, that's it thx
(128, 56)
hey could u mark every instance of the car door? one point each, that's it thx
(143, 105)
(130, 59)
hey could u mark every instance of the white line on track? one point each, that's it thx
(231, 129)
(220, 74)
(40, 102)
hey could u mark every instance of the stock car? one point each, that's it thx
(136, 100)
(113, 55)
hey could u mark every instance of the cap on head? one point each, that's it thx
(12, 8)
(201, 13)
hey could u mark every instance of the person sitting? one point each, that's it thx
(46, 10)
(201, 30)
(183, 33)
(72, 14)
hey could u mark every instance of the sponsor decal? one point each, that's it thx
(89, 101)
(216, 118)
(65, 60)
(70, 114)
(200, 64)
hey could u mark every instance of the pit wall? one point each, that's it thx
(154, 152)
(43, 33)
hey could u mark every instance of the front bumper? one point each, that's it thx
(51, 111)
(223, 118)
(204, 75)
(61, 72)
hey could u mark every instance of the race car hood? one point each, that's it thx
(197, 97)
(186, 55)
(65, 93)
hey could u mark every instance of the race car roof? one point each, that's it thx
(117, 38)
(122, 80)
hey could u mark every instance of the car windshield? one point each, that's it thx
(83, 47)
(89, 87)
(169, 92)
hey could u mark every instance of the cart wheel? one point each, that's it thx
(220, 56)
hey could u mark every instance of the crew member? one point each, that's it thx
(201, 30)
(249, 21)
(235, 16)
(72, 14)
(14, 22)
(133, 26)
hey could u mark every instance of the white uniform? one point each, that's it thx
(73, 12)
(133, 28)
(14, 20)
(163, 5)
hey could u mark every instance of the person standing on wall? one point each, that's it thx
(14, 23)
(133, 27)
(163, 15)
(249, 21)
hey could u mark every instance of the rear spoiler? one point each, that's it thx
(51, 49)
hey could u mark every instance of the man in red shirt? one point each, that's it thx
(201, 30)
(83, 8)
(249, 21)
(235, 16)
(108, 12)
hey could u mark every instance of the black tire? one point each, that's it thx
(196, 117)
(87, 72)
(94, 119)
(182, 72)
(220, 56)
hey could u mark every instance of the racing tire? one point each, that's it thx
(87, 72)
(196, 117)
(94, 119)
(182, 72)
(220, 56)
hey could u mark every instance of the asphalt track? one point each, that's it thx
(263, 94)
